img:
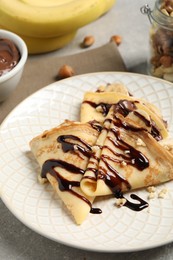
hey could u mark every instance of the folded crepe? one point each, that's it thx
(96, 106)
(121, 144)
(131, 130)
(129, 157)
(63, 153)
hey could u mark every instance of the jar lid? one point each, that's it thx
(157, 15)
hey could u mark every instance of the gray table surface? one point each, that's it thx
(18, 241)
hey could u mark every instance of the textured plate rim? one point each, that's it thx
(29, 225)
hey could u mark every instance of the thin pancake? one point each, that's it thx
(63, 154)
(130, 158)
(96, 106)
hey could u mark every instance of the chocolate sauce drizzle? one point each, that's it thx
(96, 125)
(132, 156)
(128, 155)
(111, 177)
(105, 107)
(142, 204)
(65, 184)
(150, 123)
(136, 206)
(124, 107)
(67, 146)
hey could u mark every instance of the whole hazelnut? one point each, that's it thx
(117, 39)
(88, 41)
(166, 61)
(65, 71)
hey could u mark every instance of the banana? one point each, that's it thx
(42, 45)
(53, 18)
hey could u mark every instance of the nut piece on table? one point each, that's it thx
(162, 193)
(117, 39)
(88, 41)
(65, 71)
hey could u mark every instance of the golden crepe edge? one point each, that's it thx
(45, 147)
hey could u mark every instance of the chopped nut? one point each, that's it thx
(152, 192)
(123, 163)
(75, 147)
(169, 8)
(162, 193)
(120, 202)
(166, 6)
(99, 109)
(151, 189)
(101, 89)
(167, 147)
(106, 124)
(65, 71)
(139, 142)
(42, 180)
(151, 195)
(117, 39)
(88, 41)
(95, 148)
(164, 11)
(133, 161)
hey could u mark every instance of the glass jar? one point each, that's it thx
(160, 63)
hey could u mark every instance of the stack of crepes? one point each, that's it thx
(120, 144)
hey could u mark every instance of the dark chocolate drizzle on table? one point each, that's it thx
(112, 178)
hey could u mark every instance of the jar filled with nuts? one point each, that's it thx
(161, 39)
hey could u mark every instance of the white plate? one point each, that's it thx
(37, 206)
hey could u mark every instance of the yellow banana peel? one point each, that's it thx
(49, 25)
(42, 45)
(42, 18)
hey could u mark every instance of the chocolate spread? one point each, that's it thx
(9, 56)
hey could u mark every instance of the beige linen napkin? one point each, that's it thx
(41, 72)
